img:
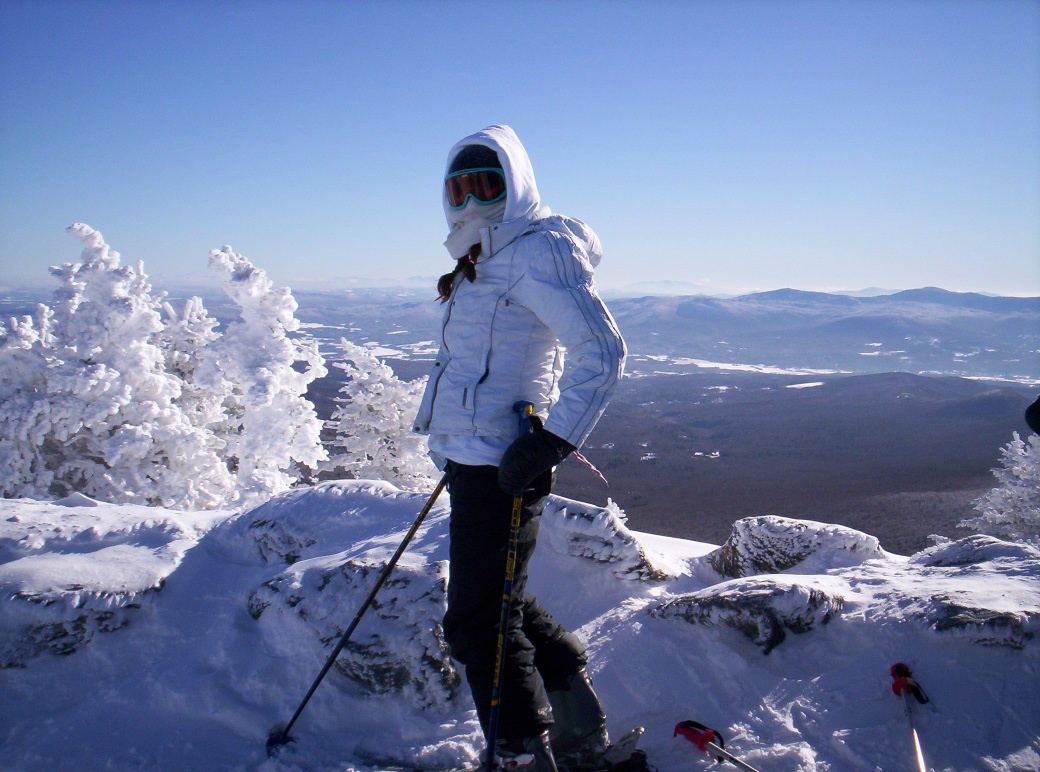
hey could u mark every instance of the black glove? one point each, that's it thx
(528, 457)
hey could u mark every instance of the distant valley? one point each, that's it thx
(883, 413)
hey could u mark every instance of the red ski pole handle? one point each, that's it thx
(700, 735)
(902, 682)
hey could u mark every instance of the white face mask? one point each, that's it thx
(468, 222)
(474, 210)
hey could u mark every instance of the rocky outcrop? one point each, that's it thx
(598, 534)
(74, 568)
(763, 609)
(398, 648)
(770, 544)
(989, 616)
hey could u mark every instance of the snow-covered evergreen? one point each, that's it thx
(373, 423)
(24, 351)
(111, 392)
(103, 411)
(1012, 509)
(269, 429)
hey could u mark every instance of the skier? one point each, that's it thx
(521, 293)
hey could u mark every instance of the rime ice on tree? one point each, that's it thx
(1012, 509)
(112, 393)
(270, 429)
(373, 423)
(103, 411)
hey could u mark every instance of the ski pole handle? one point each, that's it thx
(903, 682)
(709, 740)
(525, 413)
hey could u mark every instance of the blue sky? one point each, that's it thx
(733, 146)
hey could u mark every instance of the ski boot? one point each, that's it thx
(531, 754)
(579, 736)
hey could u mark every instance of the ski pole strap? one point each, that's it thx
(580, 458)
(902, 682)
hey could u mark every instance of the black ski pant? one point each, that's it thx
(540, 654)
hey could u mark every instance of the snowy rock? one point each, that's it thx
(985, 626)
(770, 544)
(322, 520)
(73, 568)
(977, 549)
(763, 609)
(24, 635)
(195, 682)
(990, 615)
(399, 646)
(599, 534)
(336, 539)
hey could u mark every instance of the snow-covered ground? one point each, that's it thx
(144, 638)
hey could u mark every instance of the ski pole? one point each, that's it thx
(503, 623)
(902, 682)
(280, 734)
(708, 740)
(525, 410)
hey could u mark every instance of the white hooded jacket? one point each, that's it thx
(531, 326)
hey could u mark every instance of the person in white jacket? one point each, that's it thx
(523, 323)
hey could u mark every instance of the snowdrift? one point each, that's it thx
(144, 638)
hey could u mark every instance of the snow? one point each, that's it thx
(732, 367)
(147, 638)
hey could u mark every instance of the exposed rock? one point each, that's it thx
(762, 609)
(770, 544)
(63, 636)
(399, 645)
(278, 543)
(985, 626)
(599, 534)
(976, 549)
(989, 616)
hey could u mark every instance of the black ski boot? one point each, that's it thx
(579, 736)
(530, 754)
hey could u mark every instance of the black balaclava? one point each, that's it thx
(475, 157)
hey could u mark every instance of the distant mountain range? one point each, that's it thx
(926, 330)
(923, 331)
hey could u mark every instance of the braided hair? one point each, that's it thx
(466, 265)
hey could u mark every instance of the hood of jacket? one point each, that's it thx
(522, 200)
(523, 211)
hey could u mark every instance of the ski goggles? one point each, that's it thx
(486, 186)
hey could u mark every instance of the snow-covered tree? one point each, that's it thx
(270, 430)
(184, 337)
(373, 423)
(104, 413)
(114, 393)
(1012, 509)
(25, 349)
